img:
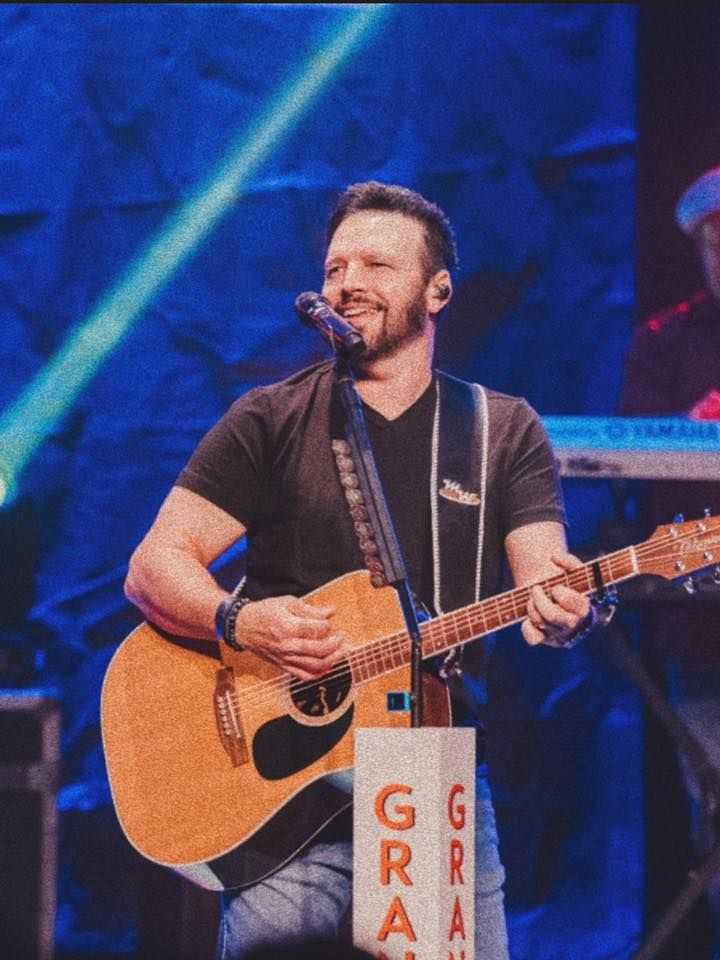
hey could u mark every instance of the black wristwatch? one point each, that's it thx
(225, 618)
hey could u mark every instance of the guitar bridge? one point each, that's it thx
(227, 718)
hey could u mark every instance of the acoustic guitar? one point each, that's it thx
(222, 766)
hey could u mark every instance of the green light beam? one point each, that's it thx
(26, 424)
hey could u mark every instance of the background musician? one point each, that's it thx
(672, 368)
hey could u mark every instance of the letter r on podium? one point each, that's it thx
(414, 843)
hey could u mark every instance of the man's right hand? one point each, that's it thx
(292, 634)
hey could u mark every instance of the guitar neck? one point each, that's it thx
(478, 619)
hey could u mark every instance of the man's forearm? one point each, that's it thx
(175, 592)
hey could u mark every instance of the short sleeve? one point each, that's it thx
(532, 491)
(229, 465)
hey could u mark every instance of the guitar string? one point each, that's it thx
(337, 685)
(374, 653)
(394, 645)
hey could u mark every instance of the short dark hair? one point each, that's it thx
(373, 195)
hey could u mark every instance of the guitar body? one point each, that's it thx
(222, 769)
(218, 768)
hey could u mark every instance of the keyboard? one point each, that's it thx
(653, 448)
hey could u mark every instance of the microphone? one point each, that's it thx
(314, 310)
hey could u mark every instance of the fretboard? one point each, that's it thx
(385, 654)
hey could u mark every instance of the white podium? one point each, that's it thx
(414, 843)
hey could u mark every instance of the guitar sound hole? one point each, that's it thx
(321, 697)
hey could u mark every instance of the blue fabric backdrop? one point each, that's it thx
(517, 119)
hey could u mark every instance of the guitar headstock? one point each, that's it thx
(676, 549)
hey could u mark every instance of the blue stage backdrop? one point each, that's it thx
(166, 174)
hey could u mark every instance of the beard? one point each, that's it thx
(398, 328)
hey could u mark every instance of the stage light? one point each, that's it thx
(6, 492)
(26, 424)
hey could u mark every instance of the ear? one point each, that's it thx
(439, 292)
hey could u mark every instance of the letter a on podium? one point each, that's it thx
(414, 843)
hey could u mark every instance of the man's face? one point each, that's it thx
(708, 241)
(376, 277)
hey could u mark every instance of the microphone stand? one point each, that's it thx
(379, 517)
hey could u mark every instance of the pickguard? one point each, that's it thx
(282, 747)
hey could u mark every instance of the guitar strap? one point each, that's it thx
(458, 481)
(458, 484)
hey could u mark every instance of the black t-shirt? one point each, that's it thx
(269, 464)
(402, 454)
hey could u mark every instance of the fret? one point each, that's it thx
(480, 624)
(375, 663)
(587, 579)
(360, 672)
(461, 631)
(396, 656)
(456, 627)
(388, 657)
(506, 606)
(498, 615)
(434, 634)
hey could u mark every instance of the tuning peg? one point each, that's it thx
(690, 585)
(716, 574)
(707, 512)
(679, 518)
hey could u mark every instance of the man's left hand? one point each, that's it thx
(558, 617)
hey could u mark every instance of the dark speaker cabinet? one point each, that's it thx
(29, 768)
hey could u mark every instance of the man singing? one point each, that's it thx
(469, 480)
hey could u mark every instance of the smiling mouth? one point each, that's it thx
(353, 311)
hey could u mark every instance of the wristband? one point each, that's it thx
(583, 630)
(225, 618)
(600, 615)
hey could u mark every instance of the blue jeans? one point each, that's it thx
(309, 896)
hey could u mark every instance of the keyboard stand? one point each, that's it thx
(684, 740)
